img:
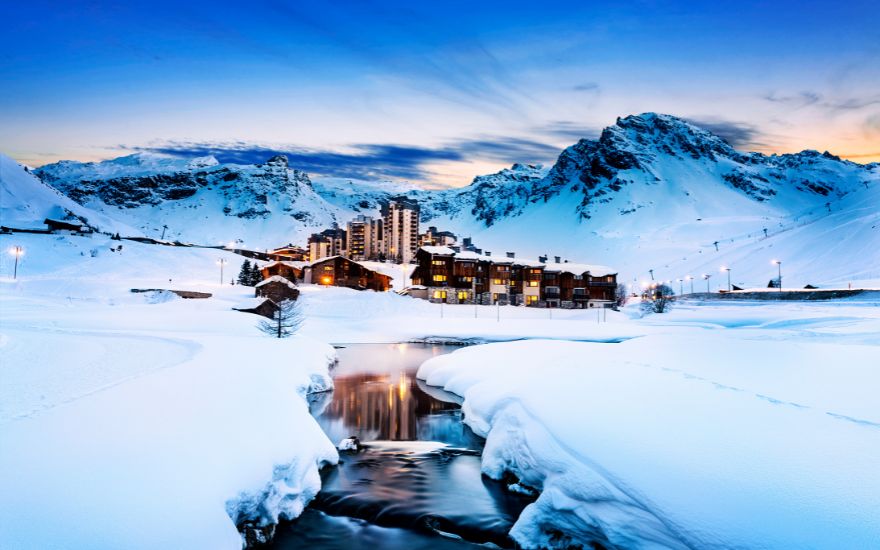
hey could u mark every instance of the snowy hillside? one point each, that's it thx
(198, 199)
(25, 202)
(654, 192)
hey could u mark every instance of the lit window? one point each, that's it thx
(438, 262)
(497, 282)
(462, 295)
(531, 300)
(439, 278)
(440, 294)
(533, 283)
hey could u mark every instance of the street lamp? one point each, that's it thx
(779, 280)
(18, 252)
(691, 279)
(727, 269)
(221, 262)
(707, 277)
(681, 287)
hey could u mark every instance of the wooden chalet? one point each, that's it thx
(258, 306)
(277, 289)
(468, 277)
(289, 253)
(340, 271)
(292, 271)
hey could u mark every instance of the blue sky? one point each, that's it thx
(433, 92)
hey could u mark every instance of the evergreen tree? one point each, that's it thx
(244, 276)
(256, 275)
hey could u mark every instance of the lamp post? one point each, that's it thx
(681, 287)
(707, 277)
(16, 251)
(779, 280)
(727, 269)
(691, 279)
(221, 262)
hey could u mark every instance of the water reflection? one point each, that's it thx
(377, 397)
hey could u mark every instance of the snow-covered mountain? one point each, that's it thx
(199, 199)
(654, 192)
(25, 201)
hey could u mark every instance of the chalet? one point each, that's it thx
(61, 225)
(339, 271)
(288, 253)
(277, 289)
(292, 271)
(468, 277)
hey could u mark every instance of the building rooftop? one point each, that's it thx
(562, 267)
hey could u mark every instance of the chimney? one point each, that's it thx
(511, 254)
(557, 259)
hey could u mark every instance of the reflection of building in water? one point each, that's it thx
(383, 406)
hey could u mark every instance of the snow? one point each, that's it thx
(735, 425)
(130, 422)
(25, 202)
(276, 279)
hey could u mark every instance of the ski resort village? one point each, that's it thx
(439, 276)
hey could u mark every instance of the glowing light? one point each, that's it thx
(326, 280)
(725, 268)
(16, 251)
(776, 262)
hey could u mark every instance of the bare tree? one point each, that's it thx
(658, 300)
(620, 295)
(284, 322)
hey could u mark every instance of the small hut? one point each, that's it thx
(277, 289)
(258, 306)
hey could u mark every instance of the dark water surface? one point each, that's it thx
(417, 484)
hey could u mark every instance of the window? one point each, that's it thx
(549, 276)
(466, 279)
(533, 283)
(439, 278)
(462, 295)
(439, 294)
(536, 271)
(438, 262)
(580, 291)
(497, 282)
(578, 277)
(328, 268)
(530, 300)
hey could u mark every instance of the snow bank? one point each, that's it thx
(697, 441)
(129, 422)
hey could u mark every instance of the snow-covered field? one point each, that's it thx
(725, 426)
(145, 420)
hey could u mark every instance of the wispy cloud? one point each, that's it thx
(368, 161)
(833, 104)
(800, 99)
(740, 135)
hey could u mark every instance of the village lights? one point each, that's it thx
(727, 269)
(326, 281)
(18, 252)
(779, 280)
(221, 262)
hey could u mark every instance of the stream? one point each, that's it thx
(417, 481)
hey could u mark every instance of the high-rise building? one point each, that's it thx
(401, 229)
(358, 237)
(330, 242)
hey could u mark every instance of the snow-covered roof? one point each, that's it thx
(569, 267)
(439, 250)
(276, 279)
(288, 263)
(528, 262)
(578, 268)
(368, 268)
